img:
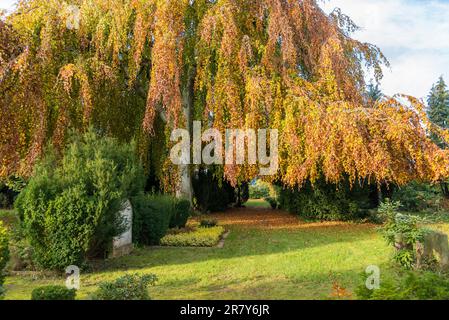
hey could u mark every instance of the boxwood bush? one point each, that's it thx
(53, 293)
(152, 216)
(70, 207)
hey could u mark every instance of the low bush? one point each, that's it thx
(208, 223)
(4, 255)
(200, 237)
(181, 214)
(53, 293)
(324, 201)
(70, 207)
(408, 286)
(152, 216)
(211, 193)
(127, 287)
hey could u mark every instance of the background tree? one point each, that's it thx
(438, 112)
(139, 68)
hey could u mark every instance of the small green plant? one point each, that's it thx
(181, 214)
(4, 255)
(208, 223)
(402, 232)
(53, 293)
(408, 286)
(201, 237)
(127, 287)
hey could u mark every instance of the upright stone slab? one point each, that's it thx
(435, 243)
(123, 244)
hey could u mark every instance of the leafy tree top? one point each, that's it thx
(283, 64)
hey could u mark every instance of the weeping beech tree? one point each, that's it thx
(140, 68)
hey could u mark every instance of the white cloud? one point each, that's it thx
(414, 35)
(7, 4)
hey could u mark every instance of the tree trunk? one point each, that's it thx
(185, 187)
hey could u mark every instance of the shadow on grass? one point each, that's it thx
(249, 237)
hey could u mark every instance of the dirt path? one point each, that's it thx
(262, 218)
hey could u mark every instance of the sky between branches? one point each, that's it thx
(414, 35)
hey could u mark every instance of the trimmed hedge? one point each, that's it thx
(152, 216)
(53, 293)
(200, 237)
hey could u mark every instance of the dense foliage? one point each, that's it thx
(438, 107)
(324, 201)
(152, 216)
(53, 293)
(211, 193)
(408, 286)
(125, 66)
(70, 208)
(402, 232)
(259, 190)
(127, 287)
(199, 237)
(181, 214)
(4, 255)
(419, 197)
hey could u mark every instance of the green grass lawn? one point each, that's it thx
(257, 203)
(268, 255)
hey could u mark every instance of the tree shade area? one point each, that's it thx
(138, 69)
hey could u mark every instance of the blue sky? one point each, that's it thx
(413, 34)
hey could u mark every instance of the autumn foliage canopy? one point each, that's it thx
(131, 64)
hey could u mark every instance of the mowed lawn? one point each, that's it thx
(267, 255)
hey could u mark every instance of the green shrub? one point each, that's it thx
(324, 201)
(402, 232)
(4, 255)
(273, 202)
(259, 190)
(127, 287)
(53, 293)
(416, 197)
(410, 286)
(21, 252)
(200, 237)
(152, 215)
(208, 223)
(181, 214)
(70, 207)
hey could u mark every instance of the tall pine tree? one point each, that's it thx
(438, 102)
